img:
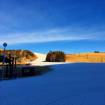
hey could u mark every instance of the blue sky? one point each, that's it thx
(41, 25)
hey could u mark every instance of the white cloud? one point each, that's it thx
(46, 36)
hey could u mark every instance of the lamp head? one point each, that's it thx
(5, 44)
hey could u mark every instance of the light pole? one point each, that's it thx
(4, 45)
(3, 70)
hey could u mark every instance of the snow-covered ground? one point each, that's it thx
(40, 60)
(41, 57)
(67, 84)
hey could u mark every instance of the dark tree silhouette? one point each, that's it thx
(55, 56)
(7, 60)
(96, 51)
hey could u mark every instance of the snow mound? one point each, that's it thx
(40, 60)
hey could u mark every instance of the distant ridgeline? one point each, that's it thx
(22, 56)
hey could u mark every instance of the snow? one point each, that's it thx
(40, 61)
(41, 57)
(67, 84)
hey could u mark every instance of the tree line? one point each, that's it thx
(55, 56)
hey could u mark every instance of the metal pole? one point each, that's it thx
(3, 72)
(3, 65)
(4, 56)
